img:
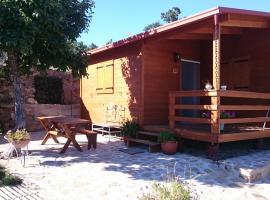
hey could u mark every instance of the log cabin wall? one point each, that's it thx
(159, 77)
(127, 84)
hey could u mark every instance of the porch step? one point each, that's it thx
(152, 146)
(148, 133)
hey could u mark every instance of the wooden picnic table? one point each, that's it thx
(67, 127)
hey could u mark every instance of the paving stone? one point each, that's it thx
(107, 173)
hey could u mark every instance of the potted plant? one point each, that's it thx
(19, 138)
(169, 143)
(129, 128)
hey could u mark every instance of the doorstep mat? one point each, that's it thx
(132, 150)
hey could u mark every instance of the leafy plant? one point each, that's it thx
(8, 179)
(174, 190)
(18, 135)
(42, 35)
(130, 128)
(165, 136)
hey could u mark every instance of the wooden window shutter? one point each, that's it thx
(108, 78)
(105, 79)
(100, 78)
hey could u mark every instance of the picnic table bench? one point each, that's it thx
(68, 127)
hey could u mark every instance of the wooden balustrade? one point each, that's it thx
(215, 109)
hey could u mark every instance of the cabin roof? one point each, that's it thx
(171, 26)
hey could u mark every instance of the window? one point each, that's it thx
(105, 82)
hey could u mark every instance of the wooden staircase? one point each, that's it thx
(146, 138)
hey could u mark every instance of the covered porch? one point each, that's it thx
(228, 47)
(239, 61)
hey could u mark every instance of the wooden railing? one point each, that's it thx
(215, 108)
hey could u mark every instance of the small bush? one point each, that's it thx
(129, 128)
(165, 136)
(11, 180)
(8, 179)
(168, 191)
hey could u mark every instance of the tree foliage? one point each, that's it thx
(152, 26)
(92, 46)
(171, 15)
(41, 34)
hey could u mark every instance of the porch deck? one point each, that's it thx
(248, 123)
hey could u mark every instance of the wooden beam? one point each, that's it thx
(246, 24)
(243, 136)
(195, 93)
(171, 111)
(231, 31)
(215, 114)
(245, 21)
(195, 107)
(194, 135)
(191, 36)
(243, 107)
(243, 94)
(244, 120)
(191, 119)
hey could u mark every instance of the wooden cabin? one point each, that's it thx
(157, 77)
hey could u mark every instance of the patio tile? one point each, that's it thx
(107, 173)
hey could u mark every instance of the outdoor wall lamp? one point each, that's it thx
(176, 59)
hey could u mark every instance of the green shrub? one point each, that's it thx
(167, 191)
(130, 128)
(18, 135)
(8, 179)
(165, 136)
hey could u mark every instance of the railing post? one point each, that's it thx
(172, 111)
(215, 114)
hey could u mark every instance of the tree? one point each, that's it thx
(41, 34)
(92, 46)
(152, 26)
(110, 41)
(171, 15)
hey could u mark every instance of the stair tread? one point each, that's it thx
(143, 141)
(148, 133)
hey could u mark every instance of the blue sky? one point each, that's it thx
(117, 19)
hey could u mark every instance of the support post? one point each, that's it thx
(215, 114)
(171, 111)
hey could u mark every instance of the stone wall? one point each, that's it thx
(70, 95)
(35, 110)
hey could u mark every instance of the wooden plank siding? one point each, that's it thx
(127, 84)
(159, 78)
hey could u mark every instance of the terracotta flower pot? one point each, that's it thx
(125, 138)
(169, 147)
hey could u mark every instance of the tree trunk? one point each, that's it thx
(20, 121)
